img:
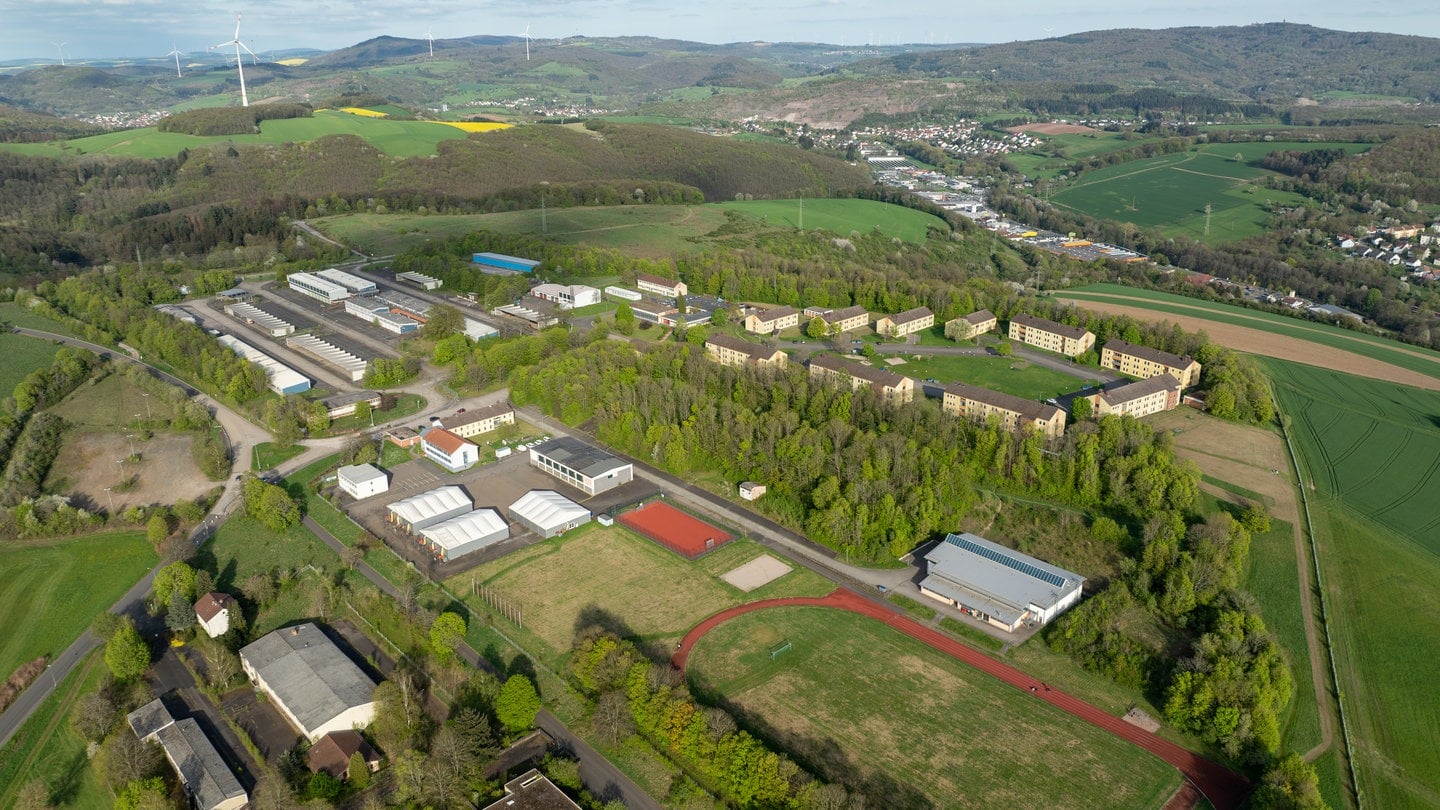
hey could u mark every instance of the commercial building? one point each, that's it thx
(420, 280)
(979, 404)
(1051, 336)
(905, 323)
(996, 584)
(375, 311)
(840, 320)
(662, 313)
(212, 613)
(588, 469)
(340, 405)
(452, 452)
(974, 325)
(429, 508)
(500, 264)
(895, 389)
(321, 289)
(310, 680)
(1140, 398)
(622, 293)
(352, 283)
(462, 535)
(475, 421)
(548, 513)
(281, 378)
(407, 305)
(536, 320)
(532, 791)
(329, 354)
(566, 296)
(260, 319)
(361, 481)
(659, 285)
(770, 321)
(1145, 362)
(478, 330)
(208, 783)
(731, 351)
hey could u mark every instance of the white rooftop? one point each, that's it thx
(360, 473)
(416, 509)
(456, 532)
(281, 376)
(547, 508)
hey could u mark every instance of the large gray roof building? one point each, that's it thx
(582, 466)
(207, 780)
(313, 683)
(996, 584)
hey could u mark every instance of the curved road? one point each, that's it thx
(1221, 786)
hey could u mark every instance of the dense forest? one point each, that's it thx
(209, 121)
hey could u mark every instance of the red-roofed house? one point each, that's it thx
(332, 753)
(452, 452)
(213, 612)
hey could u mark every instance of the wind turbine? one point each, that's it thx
(430, 35)
(239, 62)
(175, 52)
(526, 35)
(60, 46)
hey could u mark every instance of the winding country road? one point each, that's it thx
(1222, 787)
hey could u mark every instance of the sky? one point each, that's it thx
(31, 29)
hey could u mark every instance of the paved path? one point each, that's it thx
(1224, 788)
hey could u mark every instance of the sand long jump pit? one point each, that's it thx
(760, 571)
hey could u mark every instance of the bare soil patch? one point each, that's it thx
(1269, 344)
(1242, 455)
(89, 462)
(759, 571)
(1052, 129)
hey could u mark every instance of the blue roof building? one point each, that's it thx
(500, 261)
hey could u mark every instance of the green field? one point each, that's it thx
(50, 590)
(1168, 193)
(1369, 450)
(841, 217)
(598, 575)
(1415, 359)
(242, 547)
(395, 138)
(1045, 162)
(111, 402)
(13, 313)
(269, 454)
(46, 748)
(22, 356)
(1009, 374)
(911, 724)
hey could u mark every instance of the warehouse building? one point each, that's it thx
(996, 584)
(360, 481)
(500, 264)
(407, 305)
(477, 330)
(566, 296)
(339, 405)
(330, 354)
(352, 283)
(281, 378)
(208, 783)
(1051, 336)
(622, 293)
(588, 469)
(458, 536)
(260, 319)
(420, 280)
(429, 508)
(1145, 362)
(548, 513)
(310, 680)
(321, 289)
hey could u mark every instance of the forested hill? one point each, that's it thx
(1271, 62)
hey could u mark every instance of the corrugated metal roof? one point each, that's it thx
(547, 509)
(999, 574)
(469, 528)
(204, 773)
(431, 507)
(579, 456)
(307, 673)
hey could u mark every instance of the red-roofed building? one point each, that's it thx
(213, 612)
(452, 452)
(332, 753)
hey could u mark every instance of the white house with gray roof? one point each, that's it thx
(313, 683)
(586, 468)
(996, 584)
(208, 782)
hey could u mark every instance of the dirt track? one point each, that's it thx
(1223, 787)
(1269, 344)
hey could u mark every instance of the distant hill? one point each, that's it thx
(1274, 62)
(23, 126)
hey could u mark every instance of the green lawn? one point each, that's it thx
(1009, 374)
(1416, 359)
(22, 356)
(269, 454)
(242, 547)
(841, 216)
(50, 590)
(1369, 450)
(13, 313)
(910, 724)
(1169, 193)
(112, 402)
(46, 748)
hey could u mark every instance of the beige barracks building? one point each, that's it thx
(905, 323)
(731, 351)
(1145, 362)
(1142, 398)
(1051, 336)
(896, 389)
(770, 321)
(979, 404)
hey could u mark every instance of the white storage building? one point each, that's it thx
(580, 465)
(567, 296)
(622, 293)
(311, 681)
(476, 330)
(321, 289)
(353, 283)
(330, 354)
(260, 319)
(429, 508)
(427, 282)
(283, 379)
(462, 535)
(362, 480)
(548, 513)
(996, 584)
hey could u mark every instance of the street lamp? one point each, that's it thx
(147, 405)
(130, 437)
(110, 500)
(544, 225)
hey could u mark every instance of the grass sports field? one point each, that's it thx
(395, 138)
(50, 590)
(22, 356)
(1169, 192)
(1009, 374)
(912, 724)
(649, 593)
(46, 748)
(841, 216)
(1270, 335)
(1369, 450)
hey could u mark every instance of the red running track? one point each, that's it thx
(1223, 787)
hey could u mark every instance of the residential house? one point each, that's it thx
(213, 611)
(452, 452)
(1142, 398)
(979, 404)
(841, 320)
(1145, 362)
(974, 325)
(894, 388)
(333, 752)
(1051, 336)
(731, 351)
(770, 321)
(905, 323)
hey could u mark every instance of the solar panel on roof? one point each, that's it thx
(995, 555)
